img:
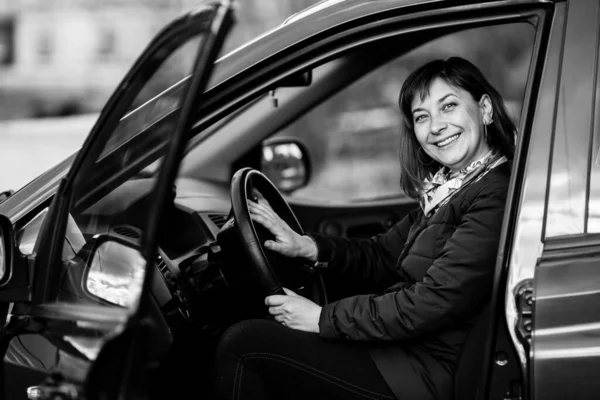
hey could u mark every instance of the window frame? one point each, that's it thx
(235, 93)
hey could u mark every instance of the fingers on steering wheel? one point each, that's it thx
(264, 210)
(264, 221)
(257, 210)
(258, 198)
(255, 196)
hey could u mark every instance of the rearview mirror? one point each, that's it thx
(299, 79)
(116, 272)
(285, 162)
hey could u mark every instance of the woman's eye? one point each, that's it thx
(419, 118)
(449, 106)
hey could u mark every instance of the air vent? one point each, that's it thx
(127, 231)
(218, 219)
(162, 266)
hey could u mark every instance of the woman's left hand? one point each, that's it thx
(294, 311)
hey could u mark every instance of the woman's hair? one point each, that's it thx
(416, 165)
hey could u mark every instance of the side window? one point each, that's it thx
(353, 136)
(593, 210)
(593, 206)
(593, 222)
(574, 192)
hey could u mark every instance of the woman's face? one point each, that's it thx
(449, 124)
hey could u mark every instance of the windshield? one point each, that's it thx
(111, 197)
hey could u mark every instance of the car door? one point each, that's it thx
(559, 307)
(93, 261)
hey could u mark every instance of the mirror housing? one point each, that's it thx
(6, 249)
(17, 268)
(115, 271)
(286, 163)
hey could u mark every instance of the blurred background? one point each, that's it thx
(60, 60)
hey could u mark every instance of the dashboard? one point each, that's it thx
(186, 245)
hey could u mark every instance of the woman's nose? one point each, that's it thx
(438, 124)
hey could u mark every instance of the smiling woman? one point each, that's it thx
(433, 270)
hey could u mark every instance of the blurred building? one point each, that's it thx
(62, 57)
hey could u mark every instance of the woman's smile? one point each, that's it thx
(448, 142)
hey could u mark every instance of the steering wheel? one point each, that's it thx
(270, 268)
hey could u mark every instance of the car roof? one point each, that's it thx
(332, 6)
(320, 17)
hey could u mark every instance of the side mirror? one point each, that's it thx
(6, 248)
(286, 163)
(116, 271)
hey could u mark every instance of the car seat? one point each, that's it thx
(469, 369)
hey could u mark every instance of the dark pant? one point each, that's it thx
(262, 359)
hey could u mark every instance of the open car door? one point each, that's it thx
(95, 255)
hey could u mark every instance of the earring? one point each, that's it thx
(486, 122)
(431, 160)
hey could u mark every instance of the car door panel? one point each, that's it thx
(567, 319)
(565, 290)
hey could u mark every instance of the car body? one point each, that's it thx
(150, 188)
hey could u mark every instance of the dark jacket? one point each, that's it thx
(441, 270)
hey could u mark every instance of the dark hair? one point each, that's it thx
(416, 165)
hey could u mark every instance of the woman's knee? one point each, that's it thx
(245, 336)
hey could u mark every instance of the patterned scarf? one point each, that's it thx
(440, 188)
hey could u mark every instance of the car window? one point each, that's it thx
(118, 206)
(353, 137)
(27, 235)
(147, 109)
(593, 210)
(572, 207)
(593, 224)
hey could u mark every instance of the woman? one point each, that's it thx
(437, 263)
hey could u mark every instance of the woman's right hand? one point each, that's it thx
(287, 241)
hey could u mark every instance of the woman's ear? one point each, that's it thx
(487, 111)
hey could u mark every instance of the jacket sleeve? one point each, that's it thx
(373, 258)
(454, 285)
